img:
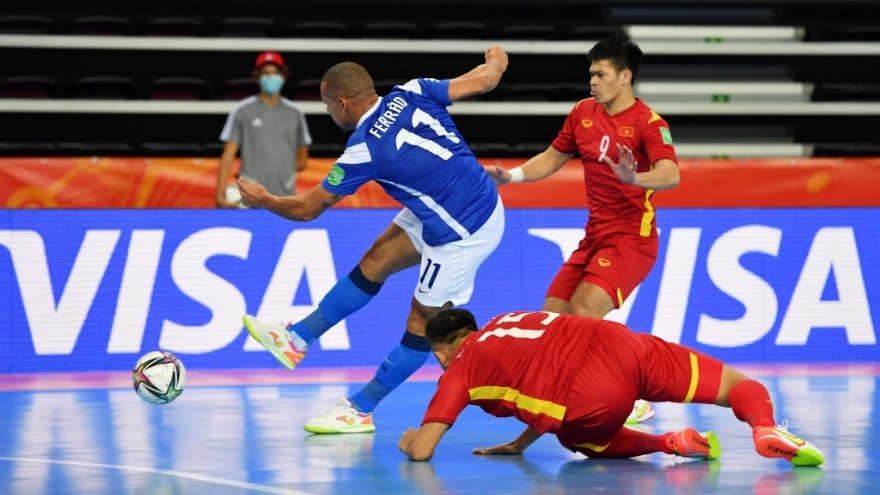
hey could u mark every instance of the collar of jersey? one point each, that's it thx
(369, 112)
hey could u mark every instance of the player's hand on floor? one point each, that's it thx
(509, 448)
(405, 439)
(498, 174)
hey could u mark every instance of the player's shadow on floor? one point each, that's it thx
(625, 476)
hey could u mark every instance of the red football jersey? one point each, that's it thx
(591, 133)
(519, 364)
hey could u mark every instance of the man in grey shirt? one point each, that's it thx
(271, 132)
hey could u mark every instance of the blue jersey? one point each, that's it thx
(408, 144)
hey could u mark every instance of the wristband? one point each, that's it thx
(516, 174)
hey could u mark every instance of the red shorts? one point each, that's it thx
(621, 366)
(616, 262)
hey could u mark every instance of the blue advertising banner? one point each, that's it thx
(95, 289)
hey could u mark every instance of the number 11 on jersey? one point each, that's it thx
(420, 117)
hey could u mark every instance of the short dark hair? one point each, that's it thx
(348, 79)
(621, 51)
(449, 325)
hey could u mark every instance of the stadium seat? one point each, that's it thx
(27, 149)
(696, 13)
(175, 26)
(101, 25)
(103, 88)
(528, 32)
(460, 30)
(573, 91)
(29, 87)
(326, 149)
(171, 149)
(489, 149)
(384, 86)
(869, 32)
(846, 149)
(247, 27)
(527, 92)
(238, 88)
(26, 24)
(390, 30)
(94, 149)
(846, 92)
(580, 33)
(304, 90)
(177, 88)
(320, 29)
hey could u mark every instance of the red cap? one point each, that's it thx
(269, 58)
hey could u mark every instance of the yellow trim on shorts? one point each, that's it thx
(648, 215)
(524, 402)
(695, 378)
(593, 447)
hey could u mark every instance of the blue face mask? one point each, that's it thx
(271, 84)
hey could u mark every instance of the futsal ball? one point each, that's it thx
(159, 377)
(233, 195)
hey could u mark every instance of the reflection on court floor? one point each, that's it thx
(240, 432)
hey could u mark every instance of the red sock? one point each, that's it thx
(630, 443)
(751, 403)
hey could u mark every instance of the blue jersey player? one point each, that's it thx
(452, 220)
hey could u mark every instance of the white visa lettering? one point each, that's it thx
(224, 301)
(834, 253)
(136, 291)
(755, 294)
(56, 328)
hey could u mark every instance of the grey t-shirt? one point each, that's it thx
(268, 138)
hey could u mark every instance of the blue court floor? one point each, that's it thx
(242, 434)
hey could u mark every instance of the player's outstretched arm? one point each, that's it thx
(419, 443)
(482, 78)
(516, 447)
(299, 208)
(542, 165)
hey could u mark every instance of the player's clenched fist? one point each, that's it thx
(497, 55)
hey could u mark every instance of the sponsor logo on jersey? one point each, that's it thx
(587, 123)
(667, 136)
(604, 262)
(336, 175)
(257, 122)
(626, 131)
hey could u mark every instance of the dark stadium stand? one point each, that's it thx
(742, 78)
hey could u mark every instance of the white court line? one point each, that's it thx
(178, 474)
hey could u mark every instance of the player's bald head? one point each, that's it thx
(349, 80)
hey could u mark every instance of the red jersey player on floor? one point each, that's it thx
(577, 378)
(627, 153)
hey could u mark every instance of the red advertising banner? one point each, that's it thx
(190, 182)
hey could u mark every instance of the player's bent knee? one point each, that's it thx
(419, 314)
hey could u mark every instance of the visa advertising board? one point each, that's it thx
(94, 289)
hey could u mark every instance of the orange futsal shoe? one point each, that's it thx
(289, 349)
(777, 442)
(693, 444)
